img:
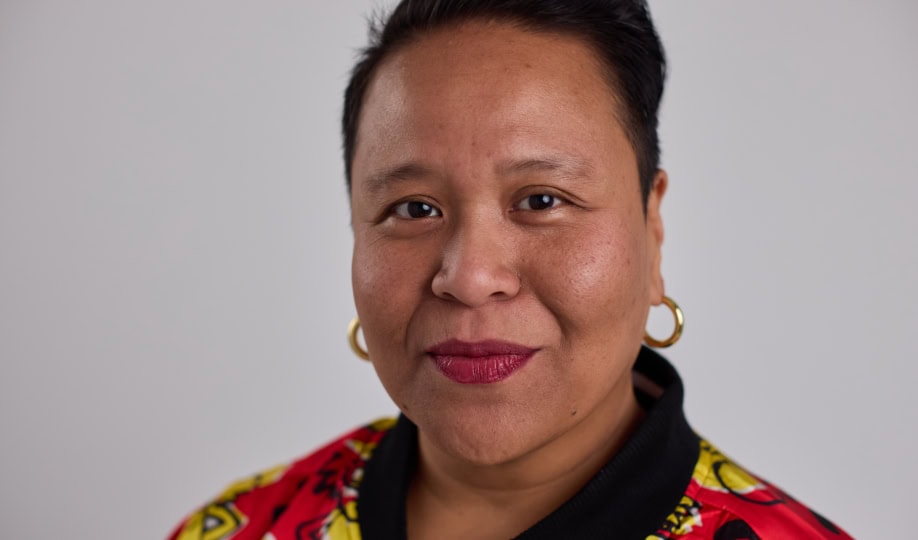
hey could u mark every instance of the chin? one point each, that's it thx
(485, 435)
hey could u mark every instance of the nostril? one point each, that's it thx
(476, 285)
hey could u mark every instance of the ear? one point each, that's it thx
(654, 229)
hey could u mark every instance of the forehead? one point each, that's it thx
(499, 51)
(487, 83)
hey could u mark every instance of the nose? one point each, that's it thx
(477, 267)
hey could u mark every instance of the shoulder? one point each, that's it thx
(726, 502)
(305, 492)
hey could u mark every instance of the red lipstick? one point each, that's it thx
(482, 362)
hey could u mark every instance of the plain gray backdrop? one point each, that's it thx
(175, 250)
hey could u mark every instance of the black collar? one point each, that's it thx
(630, 497)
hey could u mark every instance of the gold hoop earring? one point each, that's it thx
(677, 331)
(352, 330)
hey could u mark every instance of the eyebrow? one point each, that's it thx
(567, 167)
(562, 166)
(381, 180)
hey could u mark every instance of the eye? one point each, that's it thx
(415, 210)
(539, 201)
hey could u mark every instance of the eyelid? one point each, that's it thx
(561, 199)
(393, 209)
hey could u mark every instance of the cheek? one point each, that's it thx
(375, 277)
(389, 280)
(379, 300)
(368, 272)
(594, 278)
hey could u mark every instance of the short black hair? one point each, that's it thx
(621, 32)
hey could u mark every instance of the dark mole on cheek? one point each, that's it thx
(574, 412)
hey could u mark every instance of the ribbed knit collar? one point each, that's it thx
(629, 498)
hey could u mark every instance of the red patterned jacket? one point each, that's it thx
(665, 483)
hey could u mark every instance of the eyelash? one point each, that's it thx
(403, 209)
(530, 199)
(407, 205)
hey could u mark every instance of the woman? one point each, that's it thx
(502, 161)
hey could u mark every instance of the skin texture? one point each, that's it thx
(475, 121)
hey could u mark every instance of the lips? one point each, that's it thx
(483, 362)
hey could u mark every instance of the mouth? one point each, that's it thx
(482, 362)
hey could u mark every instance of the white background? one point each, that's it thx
(174, 250)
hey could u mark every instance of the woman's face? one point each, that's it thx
(503, 267)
